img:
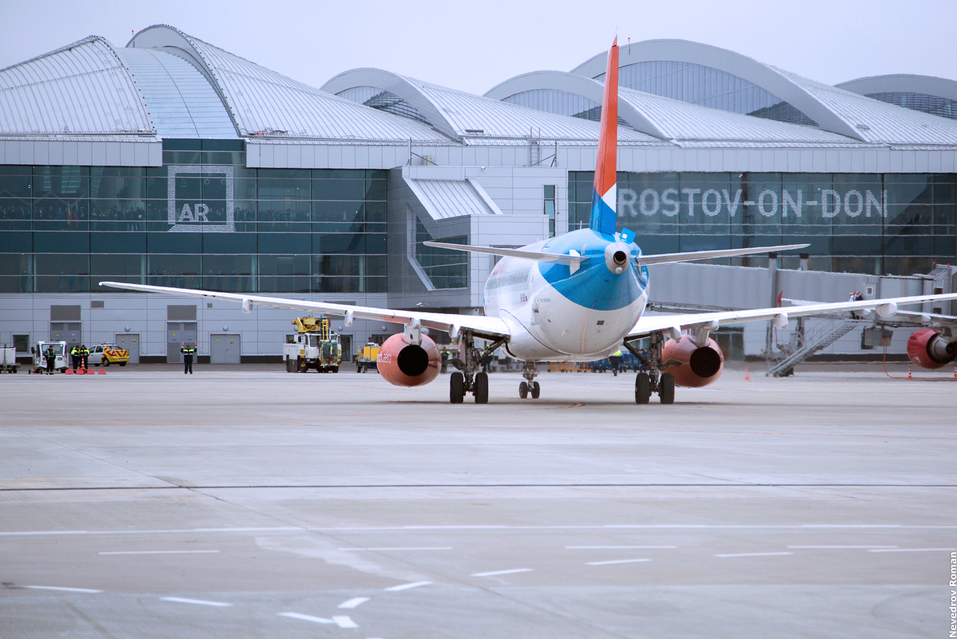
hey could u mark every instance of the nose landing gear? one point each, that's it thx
(530, 386)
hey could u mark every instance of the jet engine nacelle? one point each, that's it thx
(700, 365)
(929, 349)
(405, 364)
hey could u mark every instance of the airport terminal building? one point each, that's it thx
(172, 162)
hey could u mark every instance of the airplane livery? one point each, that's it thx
(577, 297)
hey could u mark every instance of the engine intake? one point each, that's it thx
(700, 365)
(929, 349)
(405, 364)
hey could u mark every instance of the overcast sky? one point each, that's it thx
(472, 46)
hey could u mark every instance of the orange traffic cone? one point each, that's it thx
(747, 374)
(908, 373)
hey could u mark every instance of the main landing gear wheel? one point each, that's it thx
(456, 388)
(643, 389)
(536, 390)
(666, 388)
(523, 390)
(481, 388)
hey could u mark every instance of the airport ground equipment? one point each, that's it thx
(366, 358)
(315, 346)
(107, 353)
(40, 362)
(8, 359)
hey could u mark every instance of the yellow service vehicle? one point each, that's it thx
(366, 357)
(314, 346)
(106, 354)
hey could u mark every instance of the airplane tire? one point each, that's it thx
(456, 388)
(666, 389)
(523, 390)
(536, 390)
(481, 388)
(642, 388)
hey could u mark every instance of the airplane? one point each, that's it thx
(577, 297)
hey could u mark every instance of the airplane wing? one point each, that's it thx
(486, 327)
(674, 324)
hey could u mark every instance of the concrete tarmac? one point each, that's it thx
(247, 502)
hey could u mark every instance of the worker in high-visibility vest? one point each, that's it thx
(615, 359)
(75, 356)
(188, 352)
(84, 357)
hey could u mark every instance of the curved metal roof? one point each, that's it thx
(833, 109)
(471, 118)
(666, 118)
(82, 89)
(264, 103)
(902, 83)
(182, 101)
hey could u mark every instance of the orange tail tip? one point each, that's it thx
(605, 196)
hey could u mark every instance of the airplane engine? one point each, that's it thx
(700, 365)
(405, 364)
(929, 349)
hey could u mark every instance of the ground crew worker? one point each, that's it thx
(50, 356)
(84, 357)
(188, 352)
(615, 359)
(75, 357)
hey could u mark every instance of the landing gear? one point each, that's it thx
(653, 381)
(530, 386)
(468, 380)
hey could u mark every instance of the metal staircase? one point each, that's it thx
(804, 343)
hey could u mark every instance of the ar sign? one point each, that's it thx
(193, 217)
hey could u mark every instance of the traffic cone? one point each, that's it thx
(747, 374)
(908, 373)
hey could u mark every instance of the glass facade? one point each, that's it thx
(707, 86)
(200, 221)
(444, 268)
(871, 223)
(933, 104)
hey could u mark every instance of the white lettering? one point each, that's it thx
(186, 215)
(847, 203)
(828, 212)
(201, 211)
(670, 197)
(881, 205)
(732, 206)
(774, 203)
(691, 193)
(643, 202)
(795, 206)
(627, 199)
(711, 211)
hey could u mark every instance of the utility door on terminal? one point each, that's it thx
(131, 342)
(224, 349)
(176, 334)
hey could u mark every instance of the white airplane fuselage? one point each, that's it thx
(556, 312)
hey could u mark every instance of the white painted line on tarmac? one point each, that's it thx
(414, 584)
(755, 554)
(160, 552)
(296, 615)
(496, 573)
(620, 547)
(345, 622)
(912, 550)
(616, 561)
(394, 549)
(838, 547)
(353, 603)
(197, 602)
(88, 590)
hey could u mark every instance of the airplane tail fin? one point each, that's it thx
(604, 203)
